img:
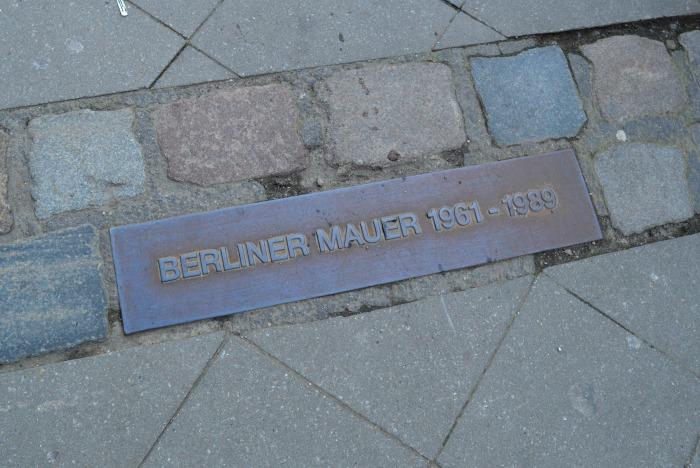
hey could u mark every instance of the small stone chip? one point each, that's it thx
(245, 133)
(644, 186)
(634, 76)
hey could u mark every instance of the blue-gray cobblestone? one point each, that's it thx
(529, 97)
(51, 294)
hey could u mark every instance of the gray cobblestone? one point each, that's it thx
(84, 158)
(410, 109)
(634, 76)
(529, 97)
(6, 218)
(644, 185)
(655, 129)
(244, 133)
(51, 294)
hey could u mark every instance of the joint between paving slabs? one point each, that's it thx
(187, 39)
(693, 453)
(667, 355)
(459, 10)
(225, 340)
(332, 397)
(492, 357)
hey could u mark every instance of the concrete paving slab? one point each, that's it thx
(568, 387)
(249, 411)
(463, 31)
(182, 15)
(653, 290)
(263, 36)
(407, 368)
(105, 410)
(380, 115)
(51, 294)
(84, 158)
(53, 51)
(190, 67)
(529, 97)
(644, 185)
(542, 16)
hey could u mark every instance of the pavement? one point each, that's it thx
(570, 367)
(583, 356)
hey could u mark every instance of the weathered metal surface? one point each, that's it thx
(237, 259)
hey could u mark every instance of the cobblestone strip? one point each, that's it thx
(155, 153)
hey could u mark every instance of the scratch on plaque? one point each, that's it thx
(447, 314)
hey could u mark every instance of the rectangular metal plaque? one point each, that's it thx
(232, 260)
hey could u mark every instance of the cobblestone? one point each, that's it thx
(633, 77)
(410, 109)
(84, 158)
(644, 186)
(51, 294)
(529, 97)
(245, 133)
(6, 218)
(655, 129)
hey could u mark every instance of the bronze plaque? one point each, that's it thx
(242, 258)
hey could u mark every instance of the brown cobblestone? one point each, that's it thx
(241, 134)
